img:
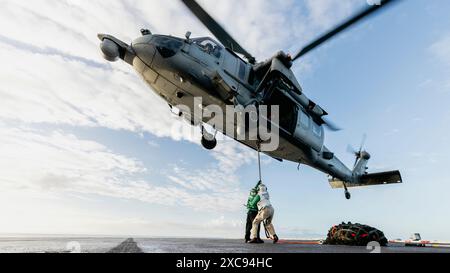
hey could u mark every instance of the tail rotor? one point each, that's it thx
(358, 153)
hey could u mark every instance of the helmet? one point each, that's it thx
(262, 188)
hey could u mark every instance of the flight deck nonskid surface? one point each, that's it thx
(179, 245)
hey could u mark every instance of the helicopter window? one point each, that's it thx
(242, 71)
(167, 46)
(209, 46)
(317, 130)
(304, 120)
(288, 110)
(251, 77)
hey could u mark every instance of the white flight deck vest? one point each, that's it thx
(264, 198)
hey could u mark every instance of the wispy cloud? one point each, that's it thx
(49, 51)
(441, 49)
(54, 162)
(56, 75)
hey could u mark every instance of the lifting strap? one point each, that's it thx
(259, 161)
(260, 179)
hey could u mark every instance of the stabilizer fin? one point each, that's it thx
(384, 178)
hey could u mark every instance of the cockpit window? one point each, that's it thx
(167, 46)
(209, 46)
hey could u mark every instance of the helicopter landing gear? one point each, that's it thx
(209, 141)
(348, 195)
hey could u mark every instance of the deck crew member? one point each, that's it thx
(265, 214)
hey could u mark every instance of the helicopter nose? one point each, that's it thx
(144, 51)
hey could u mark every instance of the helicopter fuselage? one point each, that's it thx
(183, 70)
(179, 70)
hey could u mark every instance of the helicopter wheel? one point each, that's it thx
(209, 144)
(209, 141)
(348, 196)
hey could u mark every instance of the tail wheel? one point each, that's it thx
(348, 195)
(209, 144)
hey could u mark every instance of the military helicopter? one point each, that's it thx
(181, 69)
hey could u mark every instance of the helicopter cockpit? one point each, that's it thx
(209, 46)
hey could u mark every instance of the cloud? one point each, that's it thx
(326, 13)
(59, 90)
(51, 52)
(441, 49)
(59, 163)
(222, 222)
(153, 144)
(264, 27)
(35, 160)
(217, 181)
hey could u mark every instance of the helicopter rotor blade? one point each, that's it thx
(343, 26)
(356, 162)
(363, 141)
(351, 150)
(357, 153)
(219, 32)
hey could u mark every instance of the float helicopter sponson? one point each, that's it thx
(179, 70)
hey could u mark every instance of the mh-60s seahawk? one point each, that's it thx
(179, 70)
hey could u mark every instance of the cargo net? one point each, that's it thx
(354, 235)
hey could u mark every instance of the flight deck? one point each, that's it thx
(192, 245)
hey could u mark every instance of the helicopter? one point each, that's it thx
(223, 73)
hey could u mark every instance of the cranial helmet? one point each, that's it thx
(262, 188)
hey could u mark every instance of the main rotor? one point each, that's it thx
(229, 42)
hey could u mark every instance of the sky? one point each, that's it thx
(87, 148)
